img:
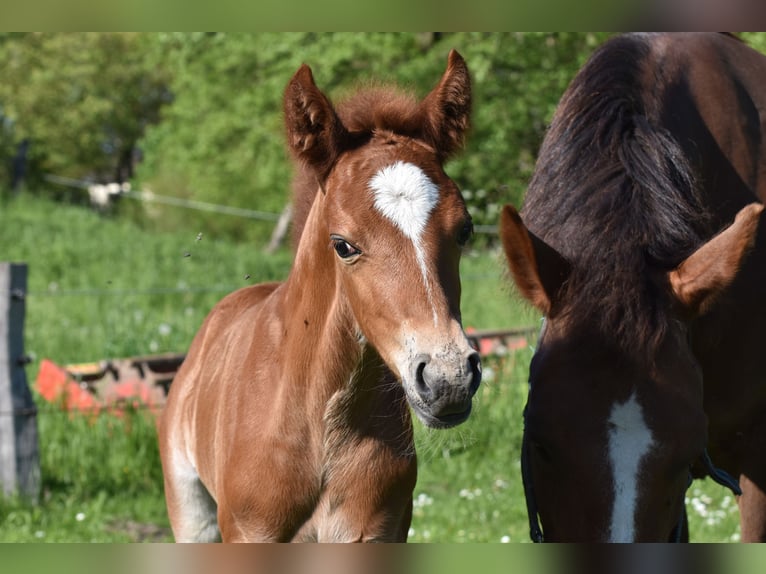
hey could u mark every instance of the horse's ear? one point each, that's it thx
(315, 134)
(447, 109)
(538, 269)
(706, 273)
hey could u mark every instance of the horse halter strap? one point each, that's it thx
(535, 532)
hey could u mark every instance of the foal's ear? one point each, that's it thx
(447, 109)
(315, 134)
(706, 273)
(538, 269)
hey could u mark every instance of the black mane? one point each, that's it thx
(614, 193)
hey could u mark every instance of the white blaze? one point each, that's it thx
(406, 195)
(629, 441)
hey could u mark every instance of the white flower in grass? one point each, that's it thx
(39, 534)
(505, 539)
(164, 329)
(80, 516)
(422, 500)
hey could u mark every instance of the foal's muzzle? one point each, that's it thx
(442, 386)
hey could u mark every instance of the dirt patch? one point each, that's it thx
(141, 532)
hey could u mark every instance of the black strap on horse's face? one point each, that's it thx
(535, 532)
(719, 476)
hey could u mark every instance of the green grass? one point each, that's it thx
(104, 288)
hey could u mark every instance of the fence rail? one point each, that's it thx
(113, 189)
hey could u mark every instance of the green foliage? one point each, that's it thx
(83, 100)
(86, 101)
(205, 108)
(222, 138)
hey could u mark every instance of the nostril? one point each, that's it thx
(420, 378)
(474, 362)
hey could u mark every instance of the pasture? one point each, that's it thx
(101, 287)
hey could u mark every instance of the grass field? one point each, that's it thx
(103, 288)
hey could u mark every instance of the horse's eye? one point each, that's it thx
(343, 248)
(465, 232)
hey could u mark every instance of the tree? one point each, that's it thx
(81, 100)
(222, 138)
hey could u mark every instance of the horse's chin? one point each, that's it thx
(440, 422)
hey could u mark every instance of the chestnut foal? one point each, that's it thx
(288, 420)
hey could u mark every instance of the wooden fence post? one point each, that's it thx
(19, 455)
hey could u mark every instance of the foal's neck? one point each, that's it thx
(319, 323)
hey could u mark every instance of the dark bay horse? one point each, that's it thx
(289, 418)
(639, 242)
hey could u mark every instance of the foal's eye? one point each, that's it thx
(465, 232)
(343, 248)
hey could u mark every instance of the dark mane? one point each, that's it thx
(615, 194)
(369, 110)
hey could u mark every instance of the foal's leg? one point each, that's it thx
(191, 509)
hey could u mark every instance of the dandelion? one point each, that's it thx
(39, 534)
(505, 539)
(164, 329)
(79, 517)
(411, 533)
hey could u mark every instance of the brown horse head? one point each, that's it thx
(384, 223)
(638, 244)
(612, 436)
